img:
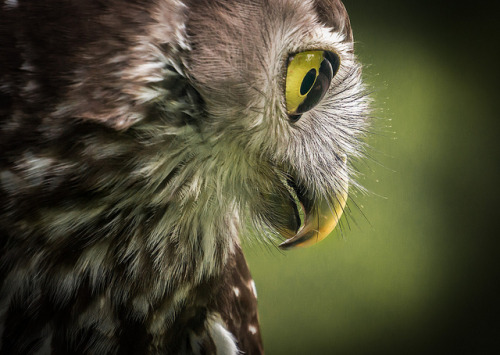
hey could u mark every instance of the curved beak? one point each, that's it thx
(321, 218)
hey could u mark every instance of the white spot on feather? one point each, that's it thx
(11, 4)
(252, 329)
(224, 341)
(31, 86)
(251, 284)
(27, 66)
(236, 291)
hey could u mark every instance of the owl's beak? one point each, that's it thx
(321, 218)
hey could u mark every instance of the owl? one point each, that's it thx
(141, 140)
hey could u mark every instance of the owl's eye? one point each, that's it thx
(308, 78)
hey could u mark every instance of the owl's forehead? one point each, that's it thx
(246, 21)
(329, 10)
(237, 44)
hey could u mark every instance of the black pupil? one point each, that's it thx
(308, 81)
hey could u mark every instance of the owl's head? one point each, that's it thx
(273, 112)
(283, 108)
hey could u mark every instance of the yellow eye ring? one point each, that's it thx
(308, 78)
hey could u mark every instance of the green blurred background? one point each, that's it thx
(414, 268)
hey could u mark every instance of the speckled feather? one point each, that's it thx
(138, 139)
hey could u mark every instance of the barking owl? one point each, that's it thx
(140, 140)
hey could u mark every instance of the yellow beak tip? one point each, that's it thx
(318, 225)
